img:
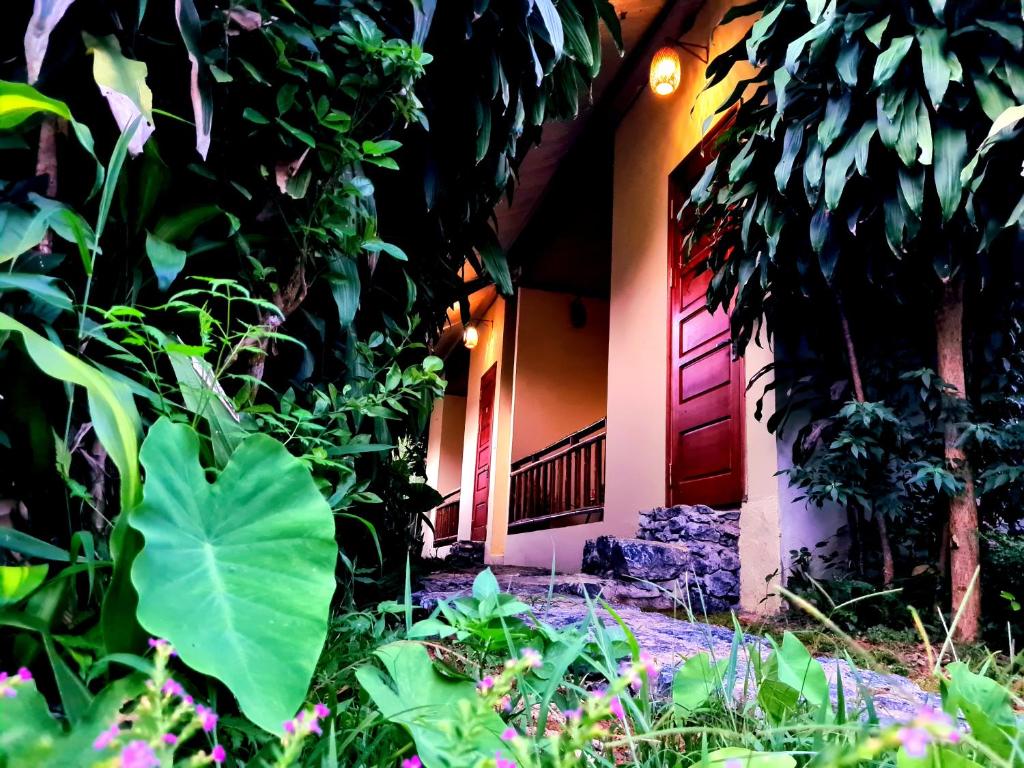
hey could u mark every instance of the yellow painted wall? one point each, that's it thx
(444, 451)
(652, 139)
(489, 351)
(453, 427)
(561, 372)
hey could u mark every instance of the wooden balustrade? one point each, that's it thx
(562, 484)
(446, 519)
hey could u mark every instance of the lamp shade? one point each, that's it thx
(470, 336)
(666, 71)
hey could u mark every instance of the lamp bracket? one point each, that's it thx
(700, 52)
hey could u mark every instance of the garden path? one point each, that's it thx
(669, 639)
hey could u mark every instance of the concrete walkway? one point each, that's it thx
(669, 639)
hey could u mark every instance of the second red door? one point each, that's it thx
(482, 473)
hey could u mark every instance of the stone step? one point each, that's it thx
(703, 574)
(463, 553)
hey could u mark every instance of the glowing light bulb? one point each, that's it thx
(666, 71)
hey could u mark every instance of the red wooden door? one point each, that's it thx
(705, 414)
(482, 474)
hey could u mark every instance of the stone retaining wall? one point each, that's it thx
(683, 551)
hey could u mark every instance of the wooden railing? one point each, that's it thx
(446, 519)
(562, 484)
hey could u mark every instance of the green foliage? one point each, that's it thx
(223, 561)
(229, 284)
(862, 129)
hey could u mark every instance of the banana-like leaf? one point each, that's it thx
(122, 81)
(111, 408)
(202, 99)
(223, 565)
(45, 16)
(19, 581)
(18, 102)
(950, 161)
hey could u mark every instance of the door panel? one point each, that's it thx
(482, 475)
(705, 409)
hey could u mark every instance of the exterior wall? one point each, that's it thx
(804, 524)
(561, 372)
(494, 347)
(560, 387)
(651, 141)
(453, 427)
(444, 452)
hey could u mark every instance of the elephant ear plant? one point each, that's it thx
(848, 179)
(237, 573)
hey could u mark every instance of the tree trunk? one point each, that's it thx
(963, 509)
(888, 563)
(46, 165)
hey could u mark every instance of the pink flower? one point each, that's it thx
(172, 688)
(501, 762)
(207, 717)
(532, 658)
(734, 763)
(24, 675)
(573, 714)
(218, 754)
(321, 710)
(314, 727)
(289, 726)
(412, 762)
(927, 715)
(485, 685)
(506, 703)
(915, 741)
(509, 733)
(650, 666)
(138, 754)
(104, 739)
(615, 707)
(170, 739)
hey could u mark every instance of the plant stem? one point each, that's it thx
(888, 563)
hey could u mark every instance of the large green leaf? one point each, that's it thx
(986, 706)
(19, 581)
(696, 682)
(122, 81)
(238, 574)
(798, 670)
(414, 694)
(18, 102)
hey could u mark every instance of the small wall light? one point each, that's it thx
(470, 336)
(666, 71)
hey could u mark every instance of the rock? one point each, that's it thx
(722, 584)
(671, 639)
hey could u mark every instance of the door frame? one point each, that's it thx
(683, 177)
(491, 372)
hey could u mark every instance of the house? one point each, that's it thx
(602, 397)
